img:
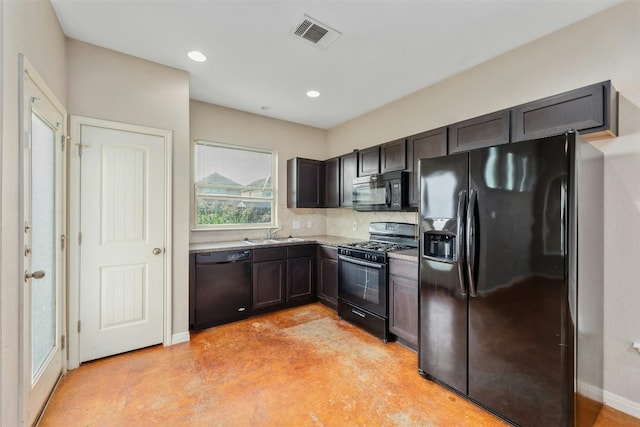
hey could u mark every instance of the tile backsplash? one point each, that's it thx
(341, 222)
(311, 222)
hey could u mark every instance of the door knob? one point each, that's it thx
(157, 251)
(35, 275)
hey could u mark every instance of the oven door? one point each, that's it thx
(363, 284)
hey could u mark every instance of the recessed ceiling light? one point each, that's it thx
(313, 94)
(196, 55)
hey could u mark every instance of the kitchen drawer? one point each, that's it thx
(376, 325)
(403, 268)
(269, 254)
(325, 251)
(297, 251)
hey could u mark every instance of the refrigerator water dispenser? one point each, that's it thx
(440, 246)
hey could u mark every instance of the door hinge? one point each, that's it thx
(63, 239)
(80, 147)
(63, 139)
(80, 238)
(63, 342)
(79, 326)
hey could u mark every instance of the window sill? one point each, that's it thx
(236, 228)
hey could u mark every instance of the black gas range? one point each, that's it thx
(363, 290)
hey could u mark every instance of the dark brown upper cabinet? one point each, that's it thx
(332, 183)
(305, 183)
(393, 156)
(425, 145)
(589, 110)
(484, 131)
(369, 161)
(348, 171)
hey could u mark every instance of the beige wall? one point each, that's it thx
(599, 48)
(111, 86)
(219, 124)
(30, 28)
(108, 85)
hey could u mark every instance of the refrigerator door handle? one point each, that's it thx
(470, 238)
(462, 200)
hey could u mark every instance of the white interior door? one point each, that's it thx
(43, 220)
(122, 251)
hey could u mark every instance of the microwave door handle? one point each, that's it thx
(388, 194)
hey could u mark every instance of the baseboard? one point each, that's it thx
(590, 391)
(622, 404)
(180, 338)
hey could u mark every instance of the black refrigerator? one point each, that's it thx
(511, 278)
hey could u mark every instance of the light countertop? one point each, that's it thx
(238, 244)
(409, 254)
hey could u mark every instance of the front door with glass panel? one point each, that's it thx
(43, 122)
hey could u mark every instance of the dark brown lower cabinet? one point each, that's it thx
(269, 277)
(283, 277)
(403, 301)
(328, 275)
(300, 273)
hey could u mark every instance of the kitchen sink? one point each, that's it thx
(262, 241)
(255, 242)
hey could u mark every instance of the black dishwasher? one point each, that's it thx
(222, 287)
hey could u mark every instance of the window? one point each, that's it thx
(234, 186)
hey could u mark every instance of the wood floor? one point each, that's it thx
(298, 367)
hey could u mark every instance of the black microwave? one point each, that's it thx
(382, 192)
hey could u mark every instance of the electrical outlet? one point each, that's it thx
(309, 224)
(354, 226)
(296, 225)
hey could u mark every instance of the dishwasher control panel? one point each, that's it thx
(221, 257)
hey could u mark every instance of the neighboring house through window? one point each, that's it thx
(233, 186)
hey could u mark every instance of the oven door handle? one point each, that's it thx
(359, 262)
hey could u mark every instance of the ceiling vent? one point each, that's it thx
(315, 32)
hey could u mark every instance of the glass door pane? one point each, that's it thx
(43, 217)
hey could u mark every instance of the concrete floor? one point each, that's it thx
(297, 367)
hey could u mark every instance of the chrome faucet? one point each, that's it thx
(271, 232)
